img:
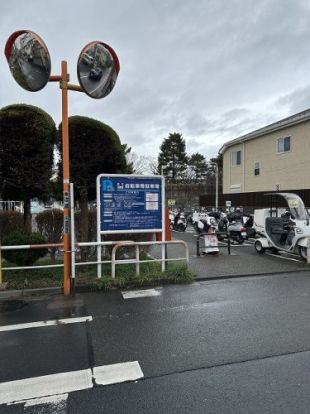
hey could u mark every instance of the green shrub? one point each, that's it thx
(50, 226)
(10, 221)
(92, 230)
(23, 257)
(179, 274)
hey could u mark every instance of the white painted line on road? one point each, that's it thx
(279, 256)
(44, 386)
(116, 373)
(53, 389)
(55, 400)
(134, 294)
(40, 324)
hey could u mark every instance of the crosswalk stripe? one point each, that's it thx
(112, 374)
(44, 386)
(53, 388)
(41, 324)
(54, 400)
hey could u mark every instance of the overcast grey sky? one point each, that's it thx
(209, 69)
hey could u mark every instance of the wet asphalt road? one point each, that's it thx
(222, 346)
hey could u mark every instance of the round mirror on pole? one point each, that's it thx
(29, 60)
(97, 69)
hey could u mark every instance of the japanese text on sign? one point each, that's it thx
(130, 203)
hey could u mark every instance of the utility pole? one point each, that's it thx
(216, 184)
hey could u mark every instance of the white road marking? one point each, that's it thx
(53, 389)
(40, 324)
(99, 86)
(113, 374)
(134, 294)
(53, 400)
(279, 256)
(44, 386)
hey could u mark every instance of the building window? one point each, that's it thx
(257, 168)
(284, 144)
(236, 158)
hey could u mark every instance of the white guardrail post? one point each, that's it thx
(72, 231)
(137, 261)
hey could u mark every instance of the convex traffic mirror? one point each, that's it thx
(28, 59)
(97, 69)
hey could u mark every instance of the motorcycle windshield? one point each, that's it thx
(296, 206)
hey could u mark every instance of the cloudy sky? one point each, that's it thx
(209, 69)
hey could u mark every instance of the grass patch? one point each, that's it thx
(150, 275)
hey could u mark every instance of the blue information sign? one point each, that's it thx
(130, 203)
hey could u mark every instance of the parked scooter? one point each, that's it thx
(286, 229)
(171, 219)
(178, 222)
(248, 225)
(233, 226)
(202, 222)
(204, 225)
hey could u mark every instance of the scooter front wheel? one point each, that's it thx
(259, 247)
(303, 252)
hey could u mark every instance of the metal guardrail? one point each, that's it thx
(50, 245)
(137, 260)
(113, 261)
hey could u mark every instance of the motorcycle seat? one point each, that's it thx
(274, 225)
(278, 230)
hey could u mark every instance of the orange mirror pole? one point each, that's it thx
(66, 177)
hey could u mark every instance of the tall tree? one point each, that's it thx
(142, 164)
(172, 156)
(197, 168)
(94, 149)
(128, 155)
(27, 139)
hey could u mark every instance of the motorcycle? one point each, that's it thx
(233, 226)
(178, 222)
(286, 229)
(201, 221)
(204, 225)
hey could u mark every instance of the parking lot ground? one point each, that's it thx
(243, 260)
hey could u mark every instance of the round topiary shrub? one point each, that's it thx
(23, 257)
(10, 221)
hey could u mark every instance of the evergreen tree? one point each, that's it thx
(172, 156)
(197, 168)
(27, 138)
(94, 149)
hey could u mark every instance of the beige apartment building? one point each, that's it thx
(272, 158)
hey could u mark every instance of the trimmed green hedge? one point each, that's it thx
(23, 257)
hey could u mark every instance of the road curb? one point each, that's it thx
(10, 294)
(205, 278)
(30, 292)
